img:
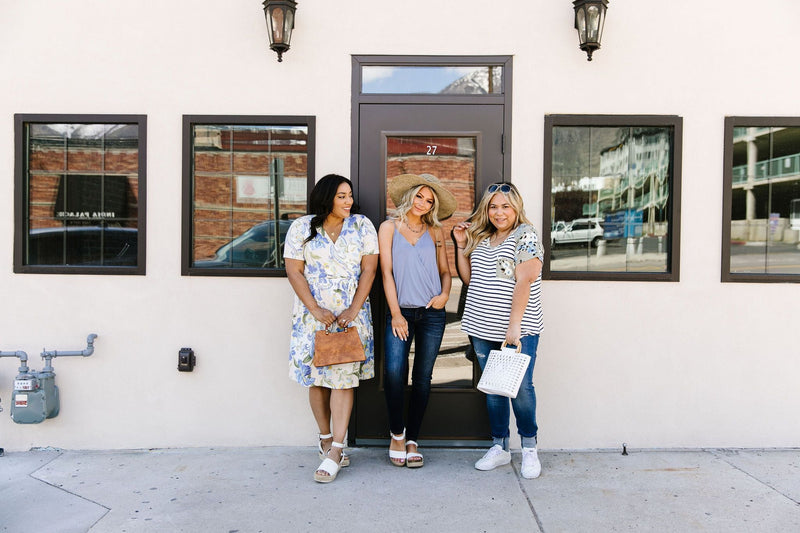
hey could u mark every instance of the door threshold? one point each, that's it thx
(429, 443)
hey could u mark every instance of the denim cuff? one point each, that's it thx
(501, 441)
(528, 442)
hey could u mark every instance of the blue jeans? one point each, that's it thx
(524, 404)
(427, 327)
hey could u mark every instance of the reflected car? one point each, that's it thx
(82, 246)
(580, 230)
(255, 248)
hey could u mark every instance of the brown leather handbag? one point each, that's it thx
(335, 348)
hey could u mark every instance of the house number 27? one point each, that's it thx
(432, 149)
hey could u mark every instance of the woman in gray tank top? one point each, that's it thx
(416, 281)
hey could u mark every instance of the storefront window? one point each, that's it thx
(611, 191)
(245, 180)
(762, 199)
(80, 182)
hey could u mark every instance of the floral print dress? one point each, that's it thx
(332, 270)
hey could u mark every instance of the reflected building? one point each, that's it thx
(81, 206)
(611, 190)
(243, 176)
(603, 171)
(635, 175)
(765, 185)
(82, 175)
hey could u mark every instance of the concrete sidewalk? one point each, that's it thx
(272, 489)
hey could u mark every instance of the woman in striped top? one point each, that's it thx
(499, 256)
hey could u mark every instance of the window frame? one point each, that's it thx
(189, 121)
(673, 242)
(22, 192)
(732, 122)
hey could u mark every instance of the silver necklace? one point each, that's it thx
(422, 227)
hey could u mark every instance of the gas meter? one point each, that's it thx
(35, 395)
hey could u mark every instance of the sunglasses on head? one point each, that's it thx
(504, 188)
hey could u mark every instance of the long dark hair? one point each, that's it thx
(320, 204)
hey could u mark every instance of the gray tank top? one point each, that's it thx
(416, 274)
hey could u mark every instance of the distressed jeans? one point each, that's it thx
(425, 329)
(524, 404)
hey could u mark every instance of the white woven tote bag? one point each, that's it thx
(504, 371)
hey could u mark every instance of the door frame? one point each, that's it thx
(358, 99)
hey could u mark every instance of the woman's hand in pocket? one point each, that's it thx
(437, 302)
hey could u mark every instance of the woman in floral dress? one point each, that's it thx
(331, 259)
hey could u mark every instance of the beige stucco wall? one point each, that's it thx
(689, 364)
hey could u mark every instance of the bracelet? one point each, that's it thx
(459, 248)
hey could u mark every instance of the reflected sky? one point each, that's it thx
(428, 80)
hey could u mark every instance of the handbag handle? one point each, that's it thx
(519, 346)
(329, 329)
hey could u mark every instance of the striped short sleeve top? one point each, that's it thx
(491, 286)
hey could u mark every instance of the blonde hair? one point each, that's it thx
(407, 203)
(481, 228)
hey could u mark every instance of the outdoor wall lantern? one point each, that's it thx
(280, 23)
(590, 16)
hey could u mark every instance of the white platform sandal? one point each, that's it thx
(414, 459)
(345, 457)
(329, 466)
(398, 458)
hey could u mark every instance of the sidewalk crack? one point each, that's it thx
(527, 496)
(32, 475)
(716, 454)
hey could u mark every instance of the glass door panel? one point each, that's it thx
(452, 159)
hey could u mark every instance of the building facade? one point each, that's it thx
(153, 155)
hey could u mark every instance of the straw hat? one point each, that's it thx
(404, 182)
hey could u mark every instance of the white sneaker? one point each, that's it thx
(531, 467)
(496, 456)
